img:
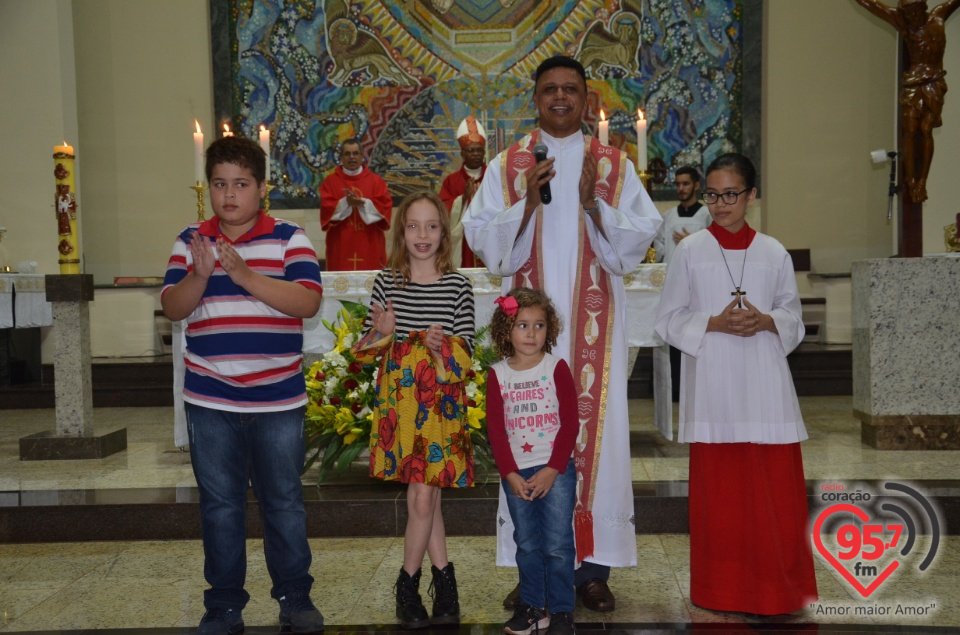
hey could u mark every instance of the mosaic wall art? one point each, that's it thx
(401, 74)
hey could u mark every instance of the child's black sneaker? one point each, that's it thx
(219, 621)
(527, 620)
(562, 624)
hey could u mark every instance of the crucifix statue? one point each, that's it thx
(921, 96)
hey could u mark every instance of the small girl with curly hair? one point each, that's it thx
(533, 426)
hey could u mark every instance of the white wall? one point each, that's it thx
(38, 110)
(828, 100)
(143, 76)
(943, 186)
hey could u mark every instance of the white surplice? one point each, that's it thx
(491, 232)
(733, 389)
(674, 222)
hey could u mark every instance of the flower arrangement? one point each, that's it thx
(341, 393)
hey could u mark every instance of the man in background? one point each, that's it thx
(355, 210)
(458, 188)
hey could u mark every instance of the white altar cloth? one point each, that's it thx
(643, 288)
(31, 307)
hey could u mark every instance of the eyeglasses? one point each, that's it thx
(730, 198)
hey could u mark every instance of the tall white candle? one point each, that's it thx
(265, 144)
(641, 141)
(198, 152)
(604, 129)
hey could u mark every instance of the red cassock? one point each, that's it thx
(352, 244)
(453, 186)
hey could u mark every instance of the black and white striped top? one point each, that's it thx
(447, 302)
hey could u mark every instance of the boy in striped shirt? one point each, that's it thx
(244, 281)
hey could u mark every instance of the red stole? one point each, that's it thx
(591, 326)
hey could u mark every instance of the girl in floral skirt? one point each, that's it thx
(421, 326)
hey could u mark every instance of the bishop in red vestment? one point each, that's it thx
(355, 210)
(458, 188)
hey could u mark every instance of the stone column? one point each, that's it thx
(73, 438)
(70, 296)
(906, 352)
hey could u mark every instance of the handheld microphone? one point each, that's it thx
(540, 154)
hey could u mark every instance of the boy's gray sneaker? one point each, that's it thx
(298, 614)
(218, 621)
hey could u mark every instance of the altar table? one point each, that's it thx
(23, 295)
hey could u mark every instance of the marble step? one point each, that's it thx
(340, 508)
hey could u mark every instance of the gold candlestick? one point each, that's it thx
(951, 237)
(199, 188)
(646, 178)
(266, 198)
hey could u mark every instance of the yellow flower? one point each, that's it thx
(350, 438)
(475, 417)
(342, 329)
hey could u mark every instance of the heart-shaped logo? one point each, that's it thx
(851, 537)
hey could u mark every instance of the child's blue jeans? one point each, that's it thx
(543, 531)
(228, 450)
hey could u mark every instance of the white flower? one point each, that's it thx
(335, 359)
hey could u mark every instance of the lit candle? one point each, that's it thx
(604, 129)
(641, 141)
(265, 144)
(68, 245)
(198, 153)
(226, 131)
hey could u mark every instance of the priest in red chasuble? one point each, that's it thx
(355, 210)
(459, 188)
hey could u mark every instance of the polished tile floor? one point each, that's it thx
(157, 586)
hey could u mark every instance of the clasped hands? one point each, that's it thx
(204, 260)
(743, 322)
(384, 321)
(537, 486)
(353, 199)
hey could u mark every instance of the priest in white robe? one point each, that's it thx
(596, 229)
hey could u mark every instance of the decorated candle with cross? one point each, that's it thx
(65, 208)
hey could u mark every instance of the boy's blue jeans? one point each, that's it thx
(543, 531)
(227, 450)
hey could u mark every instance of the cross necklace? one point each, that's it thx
(738, 293)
